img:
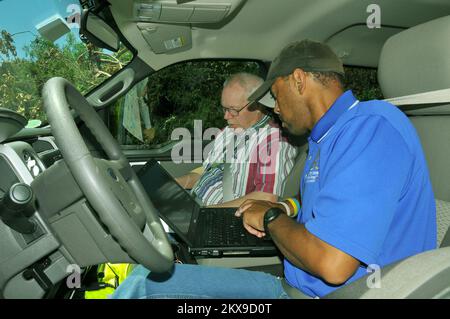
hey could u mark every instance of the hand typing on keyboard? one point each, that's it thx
(252, 213)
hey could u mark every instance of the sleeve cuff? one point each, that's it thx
(336, 240)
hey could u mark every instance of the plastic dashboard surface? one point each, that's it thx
(28, 262)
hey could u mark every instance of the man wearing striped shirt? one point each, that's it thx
(250, 158)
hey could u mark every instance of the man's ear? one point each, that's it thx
(299, 77)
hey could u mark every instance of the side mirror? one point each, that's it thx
(98, 32)
(10, 123)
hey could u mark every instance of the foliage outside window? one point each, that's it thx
(22, 79)
(175, 97)
(363, 82)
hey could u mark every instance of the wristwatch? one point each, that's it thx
(270, 215)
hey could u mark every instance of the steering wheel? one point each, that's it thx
(110, 185)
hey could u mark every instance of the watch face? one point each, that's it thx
(269, 216)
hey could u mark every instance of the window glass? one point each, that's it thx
(30, 55)
(173, 98)
(363, 82)
(182, 95)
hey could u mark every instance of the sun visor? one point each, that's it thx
(10, 123)
(166, 38)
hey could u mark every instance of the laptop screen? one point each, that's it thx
(174, 204)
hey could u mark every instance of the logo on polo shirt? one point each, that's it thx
(313, 173)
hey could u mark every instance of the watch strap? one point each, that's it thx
(270, 215)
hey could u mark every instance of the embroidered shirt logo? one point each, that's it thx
(313, 173)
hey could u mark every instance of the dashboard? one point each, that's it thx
(30, 263)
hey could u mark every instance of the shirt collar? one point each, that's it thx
(261, 122)
(326, 122)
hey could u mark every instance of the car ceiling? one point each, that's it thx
(258, 29)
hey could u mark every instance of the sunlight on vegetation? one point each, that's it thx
(22, 79)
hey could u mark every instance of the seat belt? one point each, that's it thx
(431, 97)
(227, 183)
(227, 179)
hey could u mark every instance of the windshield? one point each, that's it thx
(40, 39)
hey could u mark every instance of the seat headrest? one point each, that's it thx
(416, 60)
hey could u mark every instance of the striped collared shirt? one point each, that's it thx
(260, 159)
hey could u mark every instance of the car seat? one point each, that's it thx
(415, 61)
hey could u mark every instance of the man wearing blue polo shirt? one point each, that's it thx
(366, 196)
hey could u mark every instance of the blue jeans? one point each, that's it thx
(199, 282)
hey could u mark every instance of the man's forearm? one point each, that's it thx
(309, 253)
(188, 181)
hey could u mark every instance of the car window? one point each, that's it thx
(363, 82)
(185, 95)
(36, 45)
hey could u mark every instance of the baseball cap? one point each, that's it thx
(310, 56)
(267, 100)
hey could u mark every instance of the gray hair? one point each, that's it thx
(248, 81)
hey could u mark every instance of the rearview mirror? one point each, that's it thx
(98, 32)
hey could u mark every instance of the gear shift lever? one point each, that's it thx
(16, 208)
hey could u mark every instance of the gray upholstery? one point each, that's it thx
(443, 221)
(434, 133)
(426, 275)
(292, 182)
(416, 60)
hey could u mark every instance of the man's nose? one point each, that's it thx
(227, 115)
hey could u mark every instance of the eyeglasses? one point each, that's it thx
(234, 112)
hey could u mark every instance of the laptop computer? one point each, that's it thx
(210, 232)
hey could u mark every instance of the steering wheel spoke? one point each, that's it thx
(123, 192)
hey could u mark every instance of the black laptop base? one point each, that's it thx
(224, 235)
(188, 219)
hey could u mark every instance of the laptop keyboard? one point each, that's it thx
(226, 229)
